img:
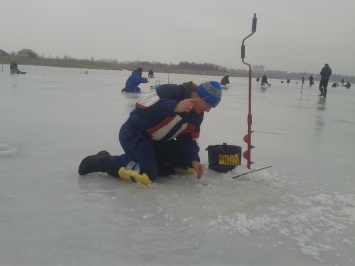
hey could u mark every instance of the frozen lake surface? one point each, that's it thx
(299, 212)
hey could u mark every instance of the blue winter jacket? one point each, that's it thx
(134, 80)
(154, 116)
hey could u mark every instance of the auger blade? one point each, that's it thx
(246, 155)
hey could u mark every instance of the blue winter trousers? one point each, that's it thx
(155, 158)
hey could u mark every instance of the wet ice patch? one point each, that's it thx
(344, 121)
(7, 150)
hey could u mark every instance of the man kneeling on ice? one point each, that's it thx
(160, 136)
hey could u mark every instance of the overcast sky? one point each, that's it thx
(291, 35)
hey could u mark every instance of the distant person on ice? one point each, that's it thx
(150, 73)
(325, 73)
(13, 67)
(225, 80)
(264, 80)
(134, 80)
(311, 82)
(160, 135)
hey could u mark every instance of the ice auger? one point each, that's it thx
(247, 138)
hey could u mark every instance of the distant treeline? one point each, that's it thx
(181, 68)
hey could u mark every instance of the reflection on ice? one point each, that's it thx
(321, 104)
(7, 150)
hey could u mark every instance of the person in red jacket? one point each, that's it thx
(160, 135)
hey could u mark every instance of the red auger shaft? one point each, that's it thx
(247, 138)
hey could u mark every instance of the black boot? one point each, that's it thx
(165, 167)
(93, 163)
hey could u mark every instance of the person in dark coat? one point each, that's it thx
(335, 85)
(311, 82)
(325, 73)
(13, 68)
(150, 73)
(160, 136)
(134, 80)
(225, 80)
(264, 80)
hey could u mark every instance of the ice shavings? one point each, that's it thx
(313, 222)
(240, 223)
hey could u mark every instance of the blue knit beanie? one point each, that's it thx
(210, 92)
